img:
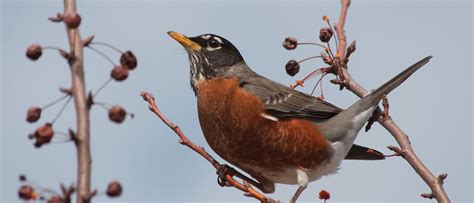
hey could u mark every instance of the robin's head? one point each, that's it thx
(209, 56)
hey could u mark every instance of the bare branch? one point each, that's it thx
(76, 64)
(229, 176)
(407, 152)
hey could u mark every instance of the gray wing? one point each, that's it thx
(283, 102)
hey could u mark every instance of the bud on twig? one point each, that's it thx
(114, 189)
(56, 199)
(34, 52)
(292, 67)
(87, 40)
(326, 58)
(33, 114)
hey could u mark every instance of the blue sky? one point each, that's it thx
(434, 107)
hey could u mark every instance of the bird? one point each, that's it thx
(272, 132)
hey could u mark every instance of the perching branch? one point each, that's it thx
(225, 173)
(407, 152)
(76, 64)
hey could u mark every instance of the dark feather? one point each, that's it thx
(358, 152)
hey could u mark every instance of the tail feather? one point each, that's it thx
(356, 115)
(375, 96)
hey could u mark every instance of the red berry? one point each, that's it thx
(114, 189)
(128, 60)
(72, 20)
(34, 51)
(290, 43)
(44, 134)
(119, 73)
(325, 34)
(117, 114)
(33, 114)
(292, 67)
(324, 195)
(27, 192)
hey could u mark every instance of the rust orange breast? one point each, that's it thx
(232, 122)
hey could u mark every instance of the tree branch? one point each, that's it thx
(76, 64)
(435, 183)
(230, 181)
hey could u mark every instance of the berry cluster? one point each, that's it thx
(292, 67)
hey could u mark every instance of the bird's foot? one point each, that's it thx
(222, 172)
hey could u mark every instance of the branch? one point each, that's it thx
(76, 63)
(407, 152)
(225, 174)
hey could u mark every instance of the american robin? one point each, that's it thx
(270, 131)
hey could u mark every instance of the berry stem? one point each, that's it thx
(335, 35)
(61, 110)
(107, 45)
(103, 55)
(103, 105)
(309, 58)
(102, 87)
(311, 43)
(54, 102)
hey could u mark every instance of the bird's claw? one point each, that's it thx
(222, 172)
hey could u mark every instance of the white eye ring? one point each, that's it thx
(213, 43)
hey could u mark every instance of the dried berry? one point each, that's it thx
(34, 51)
(324, 195)
(72, 20)
(325, 34)
(119, 73)
(33, 114)
(27, 192)
(22, 178)
(128, 60)
(114, 189)
(292, 67)
(117, 114)
(290, 43)
(55, 199)
(43, 134)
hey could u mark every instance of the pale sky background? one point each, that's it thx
(434, 106)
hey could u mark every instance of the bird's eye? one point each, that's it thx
(213, 43)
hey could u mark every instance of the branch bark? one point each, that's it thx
(76, 63)
(435, 183)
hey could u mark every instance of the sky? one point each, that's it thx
(434, 107)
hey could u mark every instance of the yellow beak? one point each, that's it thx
(185, 41)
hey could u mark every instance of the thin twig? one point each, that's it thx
(249, 191)
(407, 152)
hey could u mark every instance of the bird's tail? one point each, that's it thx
(375, 96)
(356, 115)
